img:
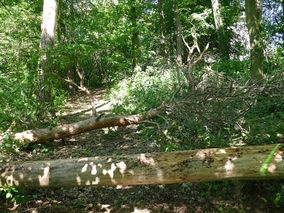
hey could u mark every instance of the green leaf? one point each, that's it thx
(9, 195)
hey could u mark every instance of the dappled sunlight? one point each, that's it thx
(110, 129)
(122, 167)
(123, 187)
(10, 180)
(44, 179)
(110, 171)
(79, 181)
(84, 169)
(29, 135)
(278, 156)
(114, 172)
(148, 161)
(138, 210)
(100, 170)
(155, 168)
(229, 167)
(151, 162)
(271, 168)
(49, 17)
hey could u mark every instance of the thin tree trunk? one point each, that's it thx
(163, 30)
(135, 34)
(220, 29)
(242, 163)
(253, 9)
(179, 39)
(50, 8)
(282, 20)
(282, 10)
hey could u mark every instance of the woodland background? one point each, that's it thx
(215, 67)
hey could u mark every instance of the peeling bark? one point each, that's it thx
(242, 163)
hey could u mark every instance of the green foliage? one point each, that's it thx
(279, 197)
(275, 62)
(18, 59)
(40, 148)
(143, 91)
(249, 115)
(265, 122)
(94, 37)
(19, 54)
(12, 146)
(233, 68)
(13, 194)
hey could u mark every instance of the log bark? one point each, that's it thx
(242, 163)
(49, 134)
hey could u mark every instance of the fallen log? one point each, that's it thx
(242, 163)
(58, 132)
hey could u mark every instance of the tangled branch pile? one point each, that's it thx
(222, 109)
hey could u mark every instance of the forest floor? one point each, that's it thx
(188, 197)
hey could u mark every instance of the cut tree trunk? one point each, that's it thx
(242, 163)
(49, 134)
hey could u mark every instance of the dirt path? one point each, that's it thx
(118, 141)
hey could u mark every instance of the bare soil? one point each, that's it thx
(188, 197)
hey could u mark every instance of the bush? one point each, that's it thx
(143, 91)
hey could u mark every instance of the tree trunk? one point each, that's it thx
(242, 163)
(50, 8)
(179, 39)
(135, 33)
(48, 134)
(220, 29)
(253, 10)
(163, 30)
(282, 1)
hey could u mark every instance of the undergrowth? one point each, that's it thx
(222, 112)
(142, 91)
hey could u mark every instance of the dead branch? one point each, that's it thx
(191, 49)
(80, 87)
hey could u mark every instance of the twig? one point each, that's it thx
(201, 56)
